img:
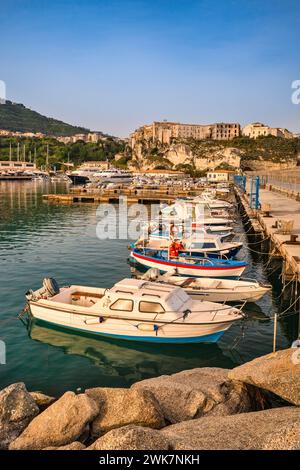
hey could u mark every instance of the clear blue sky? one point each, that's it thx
(113, 65)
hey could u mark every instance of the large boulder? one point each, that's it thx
(286, 437)
(277, 372)
(197, 392)
(73, 446)
(247, 431)
(121, 407)
(60, 424)
(42, 400)
(131, 438)
(17, 409)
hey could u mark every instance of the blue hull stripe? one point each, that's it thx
(213, 338)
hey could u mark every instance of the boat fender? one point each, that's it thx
(94, 321)
(50, 285)
(148, 327)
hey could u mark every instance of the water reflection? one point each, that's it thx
(128, 360)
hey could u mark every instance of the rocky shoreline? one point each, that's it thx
(254, 406)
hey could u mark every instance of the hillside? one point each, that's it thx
(59, 152)
(199, 155)
(16, 117)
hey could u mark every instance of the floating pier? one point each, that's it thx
(145, 195)
(15, 178)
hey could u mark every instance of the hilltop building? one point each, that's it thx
(6, 133)
(219, 176)
(257, 129)
(93, 137)
(165, 131)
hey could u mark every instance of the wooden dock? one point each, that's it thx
(145, 195)
(15, 178)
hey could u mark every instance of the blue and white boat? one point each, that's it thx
(186, 265)
(198, 244)
(132, 310)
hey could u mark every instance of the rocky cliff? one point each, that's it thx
(190, 155)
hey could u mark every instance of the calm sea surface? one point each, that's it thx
(38, 239)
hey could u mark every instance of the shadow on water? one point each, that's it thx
(129, 361)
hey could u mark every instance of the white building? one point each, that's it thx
(9, 165)
(218, 176)
(257, 129)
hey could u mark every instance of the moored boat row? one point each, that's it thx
(182, 297)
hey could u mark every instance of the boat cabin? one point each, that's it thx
(129, 296)
(146, 297)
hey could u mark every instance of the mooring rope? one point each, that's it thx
(285, 286)
(259, 241)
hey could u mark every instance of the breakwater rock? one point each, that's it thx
(254, 406)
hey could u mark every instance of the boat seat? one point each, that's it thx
(187, 282)
(78, 295)
(214, 284)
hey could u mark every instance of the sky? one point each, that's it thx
(114, 65)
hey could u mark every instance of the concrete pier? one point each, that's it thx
(279, 220)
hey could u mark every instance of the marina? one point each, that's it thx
(149, 231)
(44, 237)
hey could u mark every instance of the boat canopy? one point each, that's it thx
(170, 297)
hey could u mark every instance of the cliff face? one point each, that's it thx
(150, 156)
(260, 154)
(268, 165)
(212, 158)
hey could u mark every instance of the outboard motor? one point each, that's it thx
(51, 286)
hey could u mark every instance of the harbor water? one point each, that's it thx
(40, 239)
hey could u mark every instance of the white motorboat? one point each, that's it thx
(134, 310)
(112, 175)
(213, 290)
(157, 229)
(198, 214)
(211, 202)
(183, 209)
(84, 173)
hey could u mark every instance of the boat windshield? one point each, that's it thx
(176, 301)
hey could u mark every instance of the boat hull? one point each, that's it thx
(217, 296)
(189, 270)
(77, 179)
(129, 330)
